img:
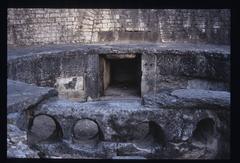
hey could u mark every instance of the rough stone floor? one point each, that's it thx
(121, 92)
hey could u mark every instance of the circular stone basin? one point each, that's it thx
(64, 68)
(85, 129)
(43, 127)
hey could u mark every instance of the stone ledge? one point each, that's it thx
(117, 48)
(189, 98)
(21, 96)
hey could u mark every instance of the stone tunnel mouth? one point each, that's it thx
(121, 76)
(204, 132)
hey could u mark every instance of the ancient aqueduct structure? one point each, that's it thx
(119, 83)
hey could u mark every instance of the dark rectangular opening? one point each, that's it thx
(121, 76)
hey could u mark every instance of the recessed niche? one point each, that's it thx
(121, 76)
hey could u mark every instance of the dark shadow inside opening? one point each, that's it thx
(157, 133)
(204, 131)
(121, 77)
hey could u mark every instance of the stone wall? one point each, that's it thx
(46, 26)
(79, 72)
(186, 70)
(64, 71)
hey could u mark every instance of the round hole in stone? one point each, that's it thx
(85, 129)
(157, 133)
(42, 128)
(141, 130)
(204, 130)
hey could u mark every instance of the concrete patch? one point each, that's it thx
(70, 87)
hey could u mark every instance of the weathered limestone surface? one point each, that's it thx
(208, 85)
(115, 48)
(149, 130)
(17, 140)
(189, 98)
(218, 98)
(60, 64)
(45, 26)
(165, 126)
(85, 129)
(43, 127)
(17, 144)
(170, 121)
(21, 96)
(164, 66)
(129, 157)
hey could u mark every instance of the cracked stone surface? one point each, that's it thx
(118, 119)
(189, 98)
(131, 127)
(21, 96)
(164, 123)
(17, 146)
(42, 128)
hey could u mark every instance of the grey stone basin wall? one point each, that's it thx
(51, 70)
(75, 71)
(175, 70)
(184, 109)
(185, 123)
